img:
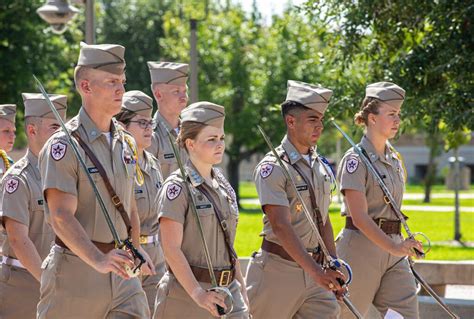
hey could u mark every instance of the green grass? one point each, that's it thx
(465, 202)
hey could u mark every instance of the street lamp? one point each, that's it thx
(59, 12)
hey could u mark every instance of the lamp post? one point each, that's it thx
(57, 13)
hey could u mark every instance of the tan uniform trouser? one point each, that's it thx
(379, 278)
(72, 289)
(173, 302)
(280, 289)
(150, 283)
(19, 293)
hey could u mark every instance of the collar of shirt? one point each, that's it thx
(160, 120)
(33, 161)
(373, 156)
(147, 163)
(293, 154)
(196, 178)
(91, 129)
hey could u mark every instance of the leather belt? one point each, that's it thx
(145, 239)
(276, 249)
(223, 276)
(389, 227)
(12, 262)
(103, 247)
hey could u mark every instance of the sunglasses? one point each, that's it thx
(144, 124)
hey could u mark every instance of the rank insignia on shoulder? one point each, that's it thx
(266, 170)
(352, 164)
(58, 150)
(11, 185)
(173, 191)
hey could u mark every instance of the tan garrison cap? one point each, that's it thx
(7, 112)
(311, 96)
(137, 102)
(387, 92)
(104, 57)
(168, 72)
(36, 105)
(204, 112)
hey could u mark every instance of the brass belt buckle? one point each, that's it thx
(224, 280)
(143, 240)
(387, 201)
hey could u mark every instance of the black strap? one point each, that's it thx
(312, 195)
(364, 153)
(222, 223)
(115, 199)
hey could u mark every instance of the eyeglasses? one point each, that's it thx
(144, 124)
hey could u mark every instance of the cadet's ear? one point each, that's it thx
(370, 119)
(189, 144)
(84, 86)
(290, 121)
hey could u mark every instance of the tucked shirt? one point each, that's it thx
(274, 188)
(353, 174)
(22, 201)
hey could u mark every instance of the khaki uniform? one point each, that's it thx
(293, 293)
(161, 147)
(3, 170)
(146, 198)
(69, 287)
(22, 201)
(172, 301)
(379, 278)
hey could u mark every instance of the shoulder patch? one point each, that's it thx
(11, 185)
(266, 170)
(173, 191)
(58, 150)
(352, 164)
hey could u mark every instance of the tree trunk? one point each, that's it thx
(233, 174)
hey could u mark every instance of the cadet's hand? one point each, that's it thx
(327, 278)
(114, 261)
(341, 293)
(406, 248)
(208, 300)
(147, 268)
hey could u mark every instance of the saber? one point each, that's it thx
(333, 263)
(207, 255)
(118, 242)
(365, 158)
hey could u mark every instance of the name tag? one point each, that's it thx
(93, 170)
(168, 156)
(40, 202)
(139, 191)
(203, 206)
(302, 188)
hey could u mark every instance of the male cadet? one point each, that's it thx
(84, 274)
(168, 84)
(285, 278)
(7, 135)
(29, 236)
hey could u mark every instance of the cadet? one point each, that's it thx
(7, 135)
(169, 89)
(183, 291)
(371, 241)
(29, 236)
(136, 116)
(285, 278)
(84, 275)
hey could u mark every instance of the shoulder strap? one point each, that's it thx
(222, 223)
(312, 195)
(115, 199)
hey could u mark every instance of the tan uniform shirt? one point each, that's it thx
(353, 174)
(161, 147)
(61, 169)
(274, 189)
(22, 201)
(146, 195)
(174, 203)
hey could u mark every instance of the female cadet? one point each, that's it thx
(136, 117)
(184, 290)
(371, 241)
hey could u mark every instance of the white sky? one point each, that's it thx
(268, 8)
